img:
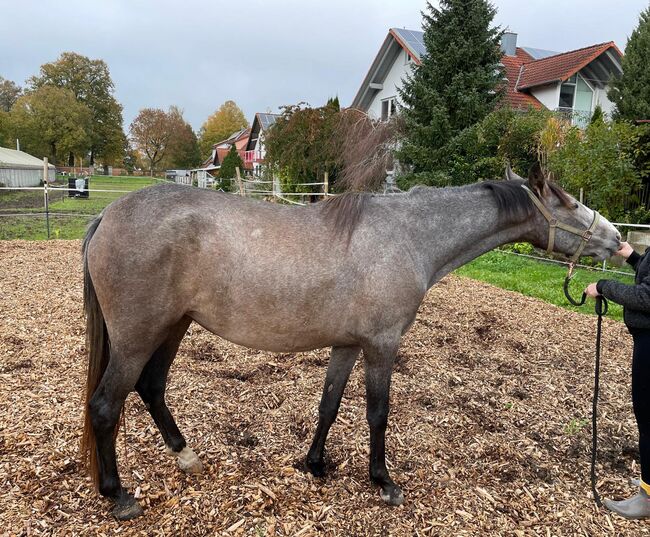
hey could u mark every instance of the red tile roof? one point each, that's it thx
(512, 67)
(560, 67)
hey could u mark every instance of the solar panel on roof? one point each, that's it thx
(413, 39)
(538, 53)
(266, 120)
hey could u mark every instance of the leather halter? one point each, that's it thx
(553, 224)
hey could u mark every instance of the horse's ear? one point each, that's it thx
(537, 179)
(511, 175)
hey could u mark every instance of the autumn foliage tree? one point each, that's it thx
(183, 147)
(228, 119)
(300, 145)
(151, 132)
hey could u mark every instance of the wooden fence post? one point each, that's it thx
(239, 181)
(326, 184)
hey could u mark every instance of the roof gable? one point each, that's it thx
(529, 68)
(560, 67)
(261, 122)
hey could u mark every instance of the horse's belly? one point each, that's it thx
(269, 335)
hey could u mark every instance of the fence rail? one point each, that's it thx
(247, 187)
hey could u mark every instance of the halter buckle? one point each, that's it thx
(552, 222)
(586, 236)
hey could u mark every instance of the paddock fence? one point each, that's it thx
(42, 212)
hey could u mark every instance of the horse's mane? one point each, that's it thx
(513, 201)
(344, 211)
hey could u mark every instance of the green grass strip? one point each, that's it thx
(538, 279)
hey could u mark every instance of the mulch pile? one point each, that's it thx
(488, 435)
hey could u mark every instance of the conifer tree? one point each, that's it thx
(631, 92)
(457, 83)
(227, 170)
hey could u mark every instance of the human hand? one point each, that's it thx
(591, 290)
(624, 250)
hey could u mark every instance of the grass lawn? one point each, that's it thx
(538, 279)
(61, 227)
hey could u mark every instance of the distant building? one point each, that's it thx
(19, 169)
(572, 82)
(179, 176)
(219, 150)
(255, 150)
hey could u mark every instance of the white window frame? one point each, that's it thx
(391, 108)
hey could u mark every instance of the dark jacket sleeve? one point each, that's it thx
(634, 259)
(635, 296)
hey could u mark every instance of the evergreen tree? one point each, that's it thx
(227, 170)
(456, 85)
(631, 92)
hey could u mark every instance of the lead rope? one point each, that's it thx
(601, 310)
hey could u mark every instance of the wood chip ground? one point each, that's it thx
(488, 432)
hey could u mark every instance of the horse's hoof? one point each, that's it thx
(189, 462)
(316, 468)
(127, 511)
(392, 495)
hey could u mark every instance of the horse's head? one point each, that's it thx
(564, 225)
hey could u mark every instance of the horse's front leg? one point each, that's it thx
(342, 361)
(379, 362)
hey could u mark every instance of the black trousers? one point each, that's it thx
(641, 396)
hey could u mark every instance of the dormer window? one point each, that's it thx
(409, 58)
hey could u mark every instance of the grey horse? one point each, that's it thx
(348, 273)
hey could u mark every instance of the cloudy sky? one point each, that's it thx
(262, 54)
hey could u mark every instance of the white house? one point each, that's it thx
(19, 169)
(255, 151)
(572, 82)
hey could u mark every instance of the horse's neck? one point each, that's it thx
(457, 225)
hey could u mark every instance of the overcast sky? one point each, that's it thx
(262, 54)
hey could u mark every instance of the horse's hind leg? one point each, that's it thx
(151, 387)
(105, 407)
(379, 362)
(338, 371)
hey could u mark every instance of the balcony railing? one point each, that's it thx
(579, 118)
(253, 156)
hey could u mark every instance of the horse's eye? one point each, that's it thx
(576, 206)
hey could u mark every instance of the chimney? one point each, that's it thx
(509, 43)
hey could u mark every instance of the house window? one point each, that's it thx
(387, 108)
(567, 94)
(408, 58)
(576, 97)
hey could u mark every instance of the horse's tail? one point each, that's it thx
(97, 345)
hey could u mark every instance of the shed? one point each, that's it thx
(19, 169)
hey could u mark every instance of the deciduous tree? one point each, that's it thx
(228, 119)
(151, 132)
(183, 152)
(51, 121)
(9, 93)
(91, 84)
